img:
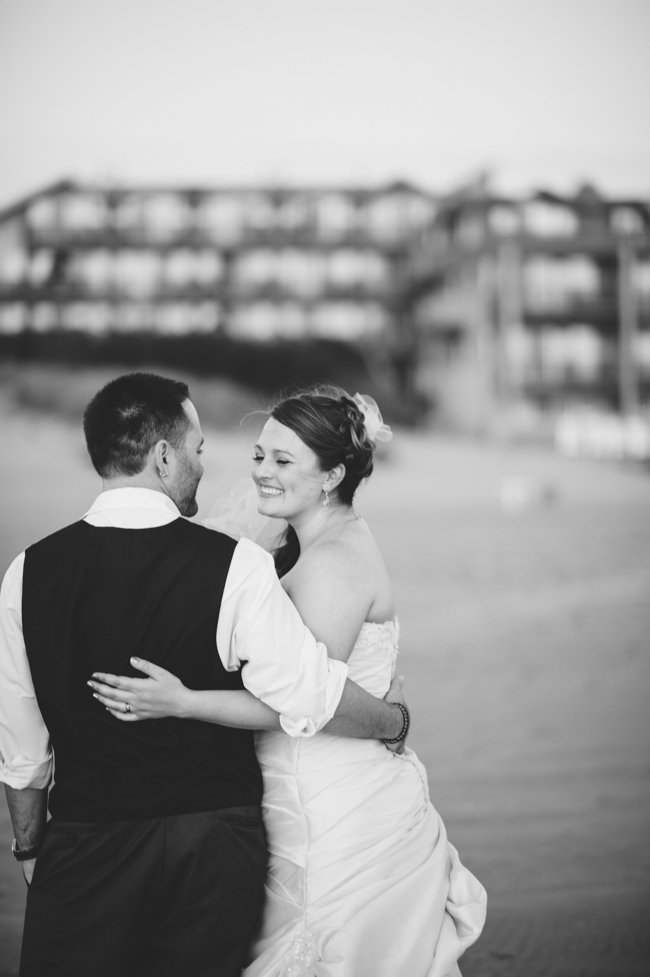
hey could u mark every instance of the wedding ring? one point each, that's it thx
(127, 707)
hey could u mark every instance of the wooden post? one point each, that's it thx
(227, 293)
(628, 324)
(484, 325)
(508, 315)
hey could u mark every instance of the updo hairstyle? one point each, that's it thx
(329, 422)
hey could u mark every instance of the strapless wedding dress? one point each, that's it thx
(362, 881)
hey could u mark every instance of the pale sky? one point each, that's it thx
(537, 92)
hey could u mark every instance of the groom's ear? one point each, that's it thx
(160, 457)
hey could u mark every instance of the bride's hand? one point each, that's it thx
(130, 699)
(395, 694)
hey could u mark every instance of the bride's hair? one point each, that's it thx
(329, 422)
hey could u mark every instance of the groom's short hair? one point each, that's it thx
(128, 416)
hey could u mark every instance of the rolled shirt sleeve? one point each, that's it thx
(282, 664)
(25, 754)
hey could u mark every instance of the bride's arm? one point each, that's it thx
(163, 694)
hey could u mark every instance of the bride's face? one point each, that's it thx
(286, 472)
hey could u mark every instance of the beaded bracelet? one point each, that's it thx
(405, 727)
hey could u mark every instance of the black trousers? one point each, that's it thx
(172, 896)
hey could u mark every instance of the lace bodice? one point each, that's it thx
(374, 657)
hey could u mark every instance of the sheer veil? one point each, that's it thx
(236, 515)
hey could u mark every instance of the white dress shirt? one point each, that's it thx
(259, 631)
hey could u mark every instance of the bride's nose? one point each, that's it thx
(261, 472)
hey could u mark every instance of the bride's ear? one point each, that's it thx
(334, 478)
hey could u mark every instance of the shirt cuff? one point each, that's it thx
(22, 773)
(308, 726)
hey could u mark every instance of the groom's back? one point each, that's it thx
(92, 598)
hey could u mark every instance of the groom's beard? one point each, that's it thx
(188, 506)
(186, 493)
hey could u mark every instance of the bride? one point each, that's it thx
(362, 881)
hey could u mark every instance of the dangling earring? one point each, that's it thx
(326, 500)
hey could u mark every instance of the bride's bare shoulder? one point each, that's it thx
(348, 556)
(330, 556)
(330, 577)
(344, 572)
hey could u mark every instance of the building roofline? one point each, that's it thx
(59, 186)
(584, 198)
(366, 192)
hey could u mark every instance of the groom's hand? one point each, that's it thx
(395, 694)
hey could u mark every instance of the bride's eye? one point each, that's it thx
(258, 457)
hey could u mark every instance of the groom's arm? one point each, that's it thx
(261, 632)
(25, 756)
(25, 753)
(28, 811)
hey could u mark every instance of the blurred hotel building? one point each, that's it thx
(537, 302)
(472, 301)
(253, 263)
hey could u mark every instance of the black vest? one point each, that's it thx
(92, 598)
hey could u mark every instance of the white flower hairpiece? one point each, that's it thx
(372, 419)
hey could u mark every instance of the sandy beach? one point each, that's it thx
(523, 586)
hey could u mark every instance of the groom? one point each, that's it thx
(154, 859)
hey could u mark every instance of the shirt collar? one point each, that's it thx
(133, 498)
